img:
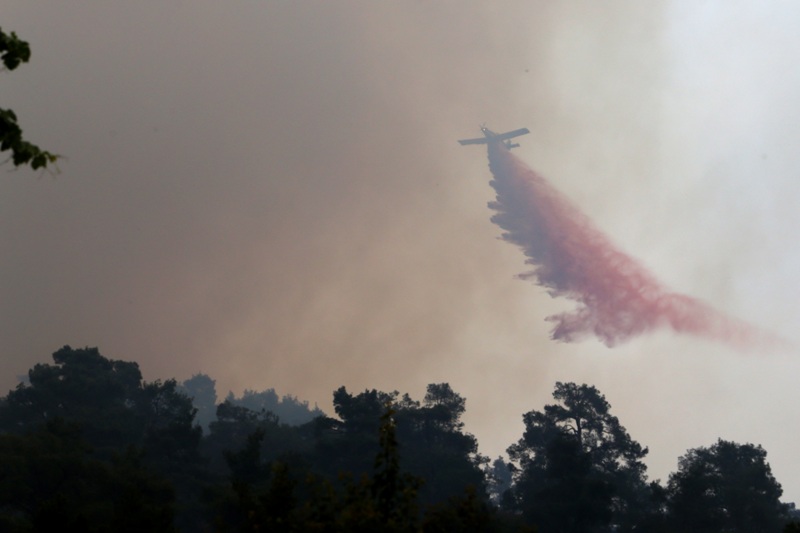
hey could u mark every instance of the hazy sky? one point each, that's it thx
(271, 192)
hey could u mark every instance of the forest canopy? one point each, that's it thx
(87, 442)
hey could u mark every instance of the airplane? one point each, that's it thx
(489, 135)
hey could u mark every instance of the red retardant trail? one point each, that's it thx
(617, 297)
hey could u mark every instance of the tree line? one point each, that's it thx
(86, 443)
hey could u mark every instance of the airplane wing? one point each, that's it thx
(510, 134)
(492, 136)
(482, 140)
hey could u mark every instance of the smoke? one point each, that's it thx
(617, 297)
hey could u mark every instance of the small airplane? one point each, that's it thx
(489, 135)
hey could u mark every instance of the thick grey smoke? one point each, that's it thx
(271, 192)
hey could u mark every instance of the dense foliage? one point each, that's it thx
(87, 444)
(577, 466)
(725, 487)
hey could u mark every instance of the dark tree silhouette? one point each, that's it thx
(116, 412)
(51, 482)
(726, 487)
(432, 443)
(576, 446)
(111, 403)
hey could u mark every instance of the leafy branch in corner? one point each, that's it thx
(14, 51)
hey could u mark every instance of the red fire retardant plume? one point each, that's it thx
(617, 297)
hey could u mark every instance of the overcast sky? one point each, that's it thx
(271, 193)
